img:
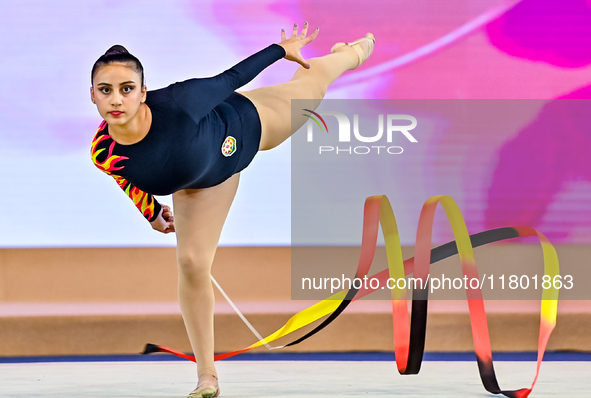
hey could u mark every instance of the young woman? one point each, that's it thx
(192, 139)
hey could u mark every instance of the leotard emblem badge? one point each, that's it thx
(229, 146)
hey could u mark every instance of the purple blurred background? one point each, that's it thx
(529, 49)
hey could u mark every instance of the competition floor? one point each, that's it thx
(329, 376)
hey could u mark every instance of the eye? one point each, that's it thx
(125, 89)
(102, 90)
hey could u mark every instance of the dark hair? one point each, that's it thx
(117, 53)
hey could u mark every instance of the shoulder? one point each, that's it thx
(158, 96)
(101, 136)
(101, 133)
(185, 94)
(164, 101)
(102, 142)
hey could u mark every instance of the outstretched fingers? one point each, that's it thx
(296, 42)
(294, 33)
(310, 38)
(304, 31)
(301, 36)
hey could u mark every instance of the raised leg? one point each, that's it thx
(199, 217)
(273, 103)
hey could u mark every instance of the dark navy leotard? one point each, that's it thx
(202, 133)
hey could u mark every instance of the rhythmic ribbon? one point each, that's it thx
(409, 340)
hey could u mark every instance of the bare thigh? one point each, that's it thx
(273, 104)
(199, 217)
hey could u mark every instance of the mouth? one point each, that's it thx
(116, 113)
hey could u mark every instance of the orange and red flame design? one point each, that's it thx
(144, 201)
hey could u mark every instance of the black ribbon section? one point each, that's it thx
(418, 317)
(150, 349)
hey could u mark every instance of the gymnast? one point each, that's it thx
(192, 139)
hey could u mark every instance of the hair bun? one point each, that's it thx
(117, 49)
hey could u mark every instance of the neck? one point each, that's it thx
(135, 129)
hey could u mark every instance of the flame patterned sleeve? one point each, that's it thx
(145, 202)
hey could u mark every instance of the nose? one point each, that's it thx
(116, 98)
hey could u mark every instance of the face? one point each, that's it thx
(117, 92)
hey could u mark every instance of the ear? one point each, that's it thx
(92, 95)
(144, 93)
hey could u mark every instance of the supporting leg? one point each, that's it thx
(199, 217)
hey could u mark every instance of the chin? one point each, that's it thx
(115, 120)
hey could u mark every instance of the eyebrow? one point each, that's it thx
(107, 84)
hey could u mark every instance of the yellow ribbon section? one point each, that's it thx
(396, 264)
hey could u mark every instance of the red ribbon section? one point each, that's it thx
(409, 338)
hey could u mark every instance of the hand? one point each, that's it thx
(295, 43)
(165, 221)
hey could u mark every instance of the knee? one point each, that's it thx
(320, 91)
(194, 269)
(309, 91)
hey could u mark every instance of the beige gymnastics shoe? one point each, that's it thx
(363, 46)
(206, 389)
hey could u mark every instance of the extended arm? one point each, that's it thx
(198, 97)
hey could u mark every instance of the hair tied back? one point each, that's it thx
(118, 53)
(116, 49)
